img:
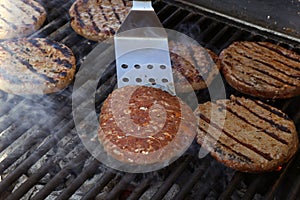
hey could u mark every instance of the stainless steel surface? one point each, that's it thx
(142, 51)
(281, 18)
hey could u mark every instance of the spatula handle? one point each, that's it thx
(142, 5)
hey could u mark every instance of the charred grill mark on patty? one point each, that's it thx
(78, 17)
(115, 13)
(64, 50)
(34, 19)
(36, 8)
(288, 55)
(33, 70)
(26, 12)
(272, 110)
(101, 18)
(239, 123)
(273, 135)
(250, 83)
(255, 77)
(103, 13)
(270, 121)
(63, 62)
(180, 65)
(249, 146)
(257, 69)
(112, 31)
(28, 65)
(11, 78)
(246, 59)
(265, 61)
(124, 2)
(19, 19)
(7, 9)
(239, 157)
(95, 27)
(36, 44)
(63, 74)
(9, 23)
(278, 69)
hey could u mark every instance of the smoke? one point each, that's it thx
(189, 28)
(27, 122)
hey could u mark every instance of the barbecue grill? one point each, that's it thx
(42, 157)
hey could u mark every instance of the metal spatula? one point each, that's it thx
(142, 51)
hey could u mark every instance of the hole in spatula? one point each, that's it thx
(138, 80)
(124, 66)
(162, 66)
(150, 66)
(137, 66)
(152, 81)
(164, 80)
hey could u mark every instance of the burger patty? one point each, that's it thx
(262, 69)
(98, 19)
(194, 67)
(144, 125)
(35, 66)
(254, 137)
(20, 18)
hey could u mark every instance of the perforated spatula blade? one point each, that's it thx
(142, 51)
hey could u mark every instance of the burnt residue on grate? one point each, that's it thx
(41, 156)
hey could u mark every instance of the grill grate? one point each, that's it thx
(41, 157)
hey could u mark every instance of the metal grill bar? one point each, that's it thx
(254, 186)
(18, 131)
(140, 189)
(237, 178)
(295, 192)
(171, 179)
(199, 172)
(87, 173)
(287, 183)
(17, 153)
(169, 22)
(32, 180)
(33, 158)
(209, 32)
(99, 185)
(120, 187)
(59, 177)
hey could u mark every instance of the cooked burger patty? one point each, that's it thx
(98, 19)
(194, 67)
(35, 66)
(20, 18)
(145, 125)
(254, 138)
(262, 69)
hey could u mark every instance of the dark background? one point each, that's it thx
(279, 15)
